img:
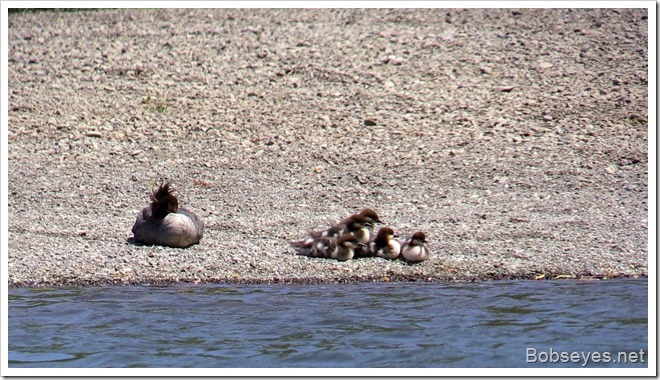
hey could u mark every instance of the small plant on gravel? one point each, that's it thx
(154, 104)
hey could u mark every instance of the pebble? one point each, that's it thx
(504, 88)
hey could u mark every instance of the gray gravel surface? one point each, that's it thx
(516, 139)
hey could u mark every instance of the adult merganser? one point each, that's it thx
(165, 223)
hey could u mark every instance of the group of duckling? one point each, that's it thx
(163, 222)
(354, 238)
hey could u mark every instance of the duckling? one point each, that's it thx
(355, 224)
(346, 245)
(359, 226)
(371, 220)
(385, 245)
(341, 248)
(321, 246)
(165, 223)
(414, 249)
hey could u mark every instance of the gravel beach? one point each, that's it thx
(516, 139)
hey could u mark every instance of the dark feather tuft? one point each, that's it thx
(163, 201)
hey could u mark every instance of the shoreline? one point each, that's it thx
(310, 281)
(319, 281)
(516, 140)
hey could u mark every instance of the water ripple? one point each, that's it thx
(488, 324)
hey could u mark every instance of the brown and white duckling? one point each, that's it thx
(165, 223)
(359, 226)
(321, 246)
(414, 249)
(346, 245)
(385, 245)
(341, 248)
(371, 219)
(355, 224)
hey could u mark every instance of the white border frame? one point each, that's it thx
(651, 354)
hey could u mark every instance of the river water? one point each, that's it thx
(481, 324)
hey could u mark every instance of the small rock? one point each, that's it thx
(126, 271)
(547, 117)
(392, 59)
(545, 65)
(362, 180)
(504, 88)
(386, 59)
(93, 134)
(369, 123)
(319, 169)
